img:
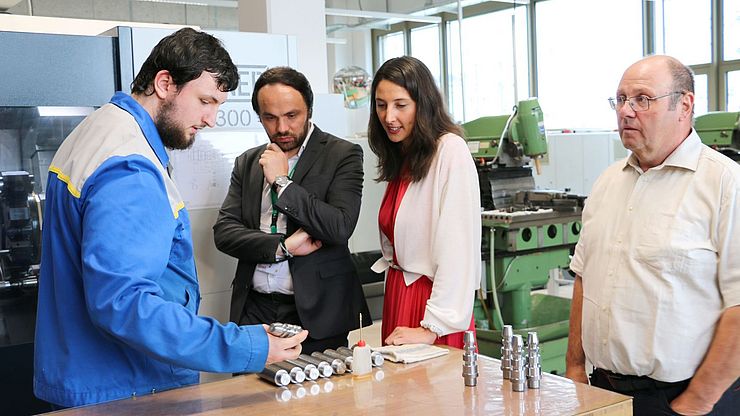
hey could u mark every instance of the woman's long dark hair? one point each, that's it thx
(432, 121)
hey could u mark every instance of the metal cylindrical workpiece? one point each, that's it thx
(347, 352)
(376, 358)
(312, 373)
(534, 368)
(276, 375)
(337, 364)
(506, 335)
(334, 354)
(324, 367)
(282, 330)
(470, 360)
(518, 374)
(297, 375)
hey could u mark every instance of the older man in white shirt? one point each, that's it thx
(655, 303)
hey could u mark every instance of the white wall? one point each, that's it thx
(305, 19)
(575, 160)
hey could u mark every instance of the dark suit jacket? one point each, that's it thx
(324, 199)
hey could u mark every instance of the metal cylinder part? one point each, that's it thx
(506, 335)
(534, 368)
(275, 375)
(337, 364)
(347, 352)
(377, 359)
(312, 373)
(297, 375)
(324, 367)
(282, 330)
(518, 375)
(470, 360)
(334, 354)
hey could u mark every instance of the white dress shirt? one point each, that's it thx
(659, 260)
(275, 277)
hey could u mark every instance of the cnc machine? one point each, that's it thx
(527, 233)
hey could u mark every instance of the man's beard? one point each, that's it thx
(173, 135)
(294, 144)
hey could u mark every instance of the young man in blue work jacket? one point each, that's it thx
(118, 293)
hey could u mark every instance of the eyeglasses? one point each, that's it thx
(638, 103)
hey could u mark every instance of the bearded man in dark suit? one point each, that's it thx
(291, 207)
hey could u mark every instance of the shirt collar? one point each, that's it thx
(305, 142)
(145, 122)
(686, 155)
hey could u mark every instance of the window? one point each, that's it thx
(583, 48)
(425, 47)
(685, 27)
(733, 91)
(732, 29)
(392, 46)
(494, 69)
(701, 94)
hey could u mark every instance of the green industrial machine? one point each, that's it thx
(721, 131)
(509, 139)
(526, 234)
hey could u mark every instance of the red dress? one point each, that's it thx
(405, 305)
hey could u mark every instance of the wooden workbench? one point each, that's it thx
(433, 387)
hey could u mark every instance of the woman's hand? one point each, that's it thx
(405, 335)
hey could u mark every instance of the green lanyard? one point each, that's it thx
(274, 197)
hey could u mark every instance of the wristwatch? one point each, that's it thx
(281, 181)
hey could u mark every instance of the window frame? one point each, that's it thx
(717, 70)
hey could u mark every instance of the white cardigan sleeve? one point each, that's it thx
(456, 245)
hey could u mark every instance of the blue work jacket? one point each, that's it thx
(118, 290)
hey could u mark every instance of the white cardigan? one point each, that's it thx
(438, 234)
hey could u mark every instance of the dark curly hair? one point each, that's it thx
(186, 54)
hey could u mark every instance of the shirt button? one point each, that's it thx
(603, 342)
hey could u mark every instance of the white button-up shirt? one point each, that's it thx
(659, 256)
(275, 277)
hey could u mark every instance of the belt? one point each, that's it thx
(623, 383)
(275, 297)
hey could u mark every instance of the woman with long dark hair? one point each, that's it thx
(429, 219)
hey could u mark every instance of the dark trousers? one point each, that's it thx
(651, 397)
(268, 308)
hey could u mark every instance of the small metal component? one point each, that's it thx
(282, 330)
(312, 373)
(347, 352)
(334, 354)
(534, 369)
(506, 351)
(376, 358)
(276, 375)
(297, 375)
(518, 373)
(337, 364)
(324, 367)
(470, 359)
